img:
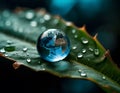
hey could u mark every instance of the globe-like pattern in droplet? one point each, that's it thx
(53, 45)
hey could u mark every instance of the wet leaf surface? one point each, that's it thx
(87, 59)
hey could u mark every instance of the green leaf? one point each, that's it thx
(20, 29)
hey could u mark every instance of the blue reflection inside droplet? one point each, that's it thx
(53, 45)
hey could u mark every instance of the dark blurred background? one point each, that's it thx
(99, 16)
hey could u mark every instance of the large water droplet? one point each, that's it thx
(96, 52)
(28, 60)
(80, 55)
(84, 40)
(53, 45)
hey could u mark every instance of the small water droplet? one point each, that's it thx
(79, 70)
(29, 15)
(43, 28)
(75, 36)
(55, 21)
(88, 59)
(25, 49)
(74, 47)
(83, 74)
(83, 50)
(27, 54)
(6, 55)
(103, 77)
(2, 50)
(9, 42)
(9, 48)
(80, 55)
(8, 23)
(39, 62)
(84, 40)
(28, 60)
(68, 23)
(90, 49)
(33, 23)
(47, 17)
(42, 20)
(42, 67)
(73, 31)
(96, 52)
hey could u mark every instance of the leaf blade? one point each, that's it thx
(98, 62)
